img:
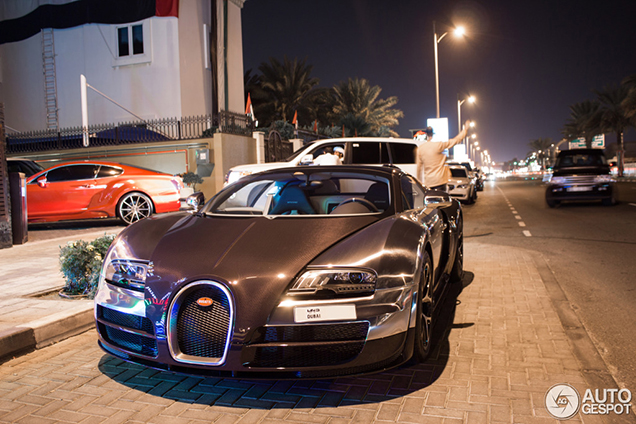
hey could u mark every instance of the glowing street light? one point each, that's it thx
(475, 146)
(459, 32)
(471, 99)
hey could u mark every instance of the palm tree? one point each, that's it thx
(356, 97)
(584, 121)
(355, 126)
(287, 86)
(318, 104)
(629, 104)
(542, 146)
(613, 117)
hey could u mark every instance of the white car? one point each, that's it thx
(359, 150)
(461, 185)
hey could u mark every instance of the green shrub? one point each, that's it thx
(81, 262)
(191, 180)
(287, 131)
(209, 132)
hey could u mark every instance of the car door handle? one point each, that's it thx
(87, 186)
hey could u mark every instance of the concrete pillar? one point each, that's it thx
(297, 143)
(259, 136)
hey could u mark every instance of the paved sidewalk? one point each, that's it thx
(31, 269)
(506, 347)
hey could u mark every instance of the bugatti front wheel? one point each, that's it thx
(424, 312)
(457, 273)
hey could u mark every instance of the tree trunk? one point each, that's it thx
(620, 153)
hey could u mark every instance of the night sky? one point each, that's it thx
(526, 62)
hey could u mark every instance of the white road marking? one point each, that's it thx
(516, 214)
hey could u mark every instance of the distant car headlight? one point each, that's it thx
(451, 187)
(126, 273)
(462, 186)
(234, 176)
(338, 281)
(600, 179)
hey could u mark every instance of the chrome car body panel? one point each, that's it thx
(254, 261)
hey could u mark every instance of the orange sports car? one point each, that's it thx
(96, 189)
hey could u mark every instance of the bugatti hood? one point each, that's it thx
(256, 258)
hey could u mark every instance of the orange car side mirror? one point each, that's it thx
(43, 183)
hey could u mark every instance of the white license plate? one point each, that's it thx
(324, 313)
(580, 188)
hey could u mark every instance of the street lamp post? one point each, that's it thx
(471, 99)
(459, 31)
(485, 158)
(474, 146)
(467, 140)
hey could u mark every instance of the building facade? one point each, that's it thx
(150, 59)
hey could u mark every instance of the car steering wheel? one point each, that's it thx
(362, 201)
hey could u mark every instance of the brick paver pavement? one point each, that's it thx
(505, 348)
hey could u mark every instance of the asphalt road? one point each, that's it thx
(591, 250)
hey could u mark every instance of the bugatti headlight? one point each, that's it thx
(339, 281)
(126, 273)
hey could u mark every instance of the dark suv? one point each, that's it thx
(580, 174)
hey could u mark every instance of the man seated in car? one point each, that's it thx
(328, 158)
(339, 151)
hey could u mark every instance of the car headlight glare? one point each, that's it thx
(339, 281)
(126, 273)
(234, 176)
(600, 179)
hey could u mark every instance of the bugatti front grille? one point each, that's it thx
(297, 346)
(127, 331)
(200, 323)
(317, 355)
(126, 320)
(305, 333)
(131, 342)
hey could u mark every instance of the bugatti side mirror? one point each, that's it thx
(195, 201)
(438, 199)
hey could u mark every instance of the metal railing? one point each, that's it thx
(310, 136)
(186, 128)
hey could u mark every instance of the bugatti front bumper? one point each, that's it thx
(185, 334)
